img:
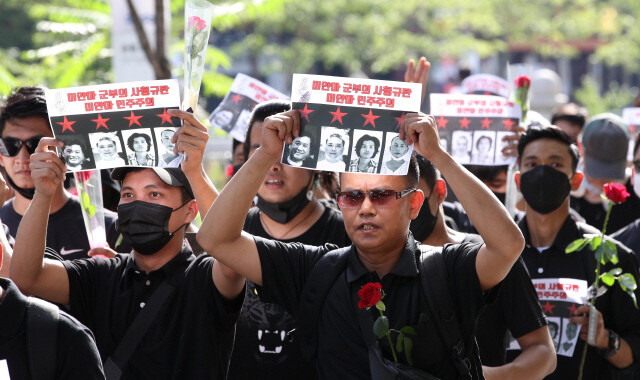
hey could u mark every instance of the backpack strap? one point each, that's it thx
(320, 280)
(42, 338)
(436, 290)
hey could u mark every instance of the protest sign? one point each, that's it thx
(631, 116)
(485, 84)
(113, 125)
(351, 124)
(472, 127)
(559, 298)
(232, 115)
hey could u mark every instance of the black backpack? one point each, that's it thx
(42, 338)
(437, 295)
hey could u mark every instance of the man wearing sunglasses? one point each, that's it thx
(376, 211)
(23, 122)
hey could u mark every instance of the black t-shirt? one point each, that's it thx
(191, 337)
(342, 352)
(630, 236)
(66, 233)
(516, 310)
(551, 266)
(621, 215)
(76, 353)
(262, 349)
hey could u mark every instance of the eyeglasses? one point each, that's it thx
(349, 199)
(12, 145)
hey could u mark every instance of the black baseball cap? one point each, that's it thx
(170, 176)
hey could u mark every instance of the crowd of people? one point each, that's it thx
(287, 253)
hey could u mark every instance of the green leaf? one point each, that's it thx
(615, 271)
(595, 242)
(86, 201)
(627, 282)
(633, 297)
(380, 306)
(381, 326)
(408, 330)
(576, 245)
(92, 211)
(600, 256)
(400, 343)
(608, 279)
(408, 346)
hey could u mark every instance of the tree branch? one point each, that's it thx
(144, 41)
(161, 54)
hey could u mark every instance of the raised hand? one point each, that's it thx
(278, 129)
(191, 140)
(421, 130)
(418, 74)
(47, 169)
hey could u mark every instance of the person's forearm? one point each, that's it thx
(536, 362)
(225, 219)
(6, 253)
(28, 251)
(500, 234)
(203, 190)
(624, 357)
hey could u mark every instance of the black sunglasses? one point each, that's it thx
(348, 199)
(12, 145)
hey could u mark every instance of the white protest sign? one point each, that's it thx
(485, 84)
(351, 124)
(472, 127)
(113, 125)
(232, 115)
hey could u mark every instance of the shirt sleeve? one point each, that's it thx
(85, 278)
(285, 267)
(225, 312)
(519, 302)
(460, 260)
(78, 357)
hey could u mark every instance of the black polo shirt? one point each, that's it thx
(76, 353)
(342, 352)
(191, 337)
(630, 236)
(616, 306)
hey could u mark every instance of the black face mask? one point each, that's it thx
(502, 197)
(283, 212)
(544, 188)
(422, 226)
(27, 193)
(146, 225)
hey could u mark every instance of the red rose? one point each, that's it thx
(229, 171)
(369, 295)
(523, 81)
(616, 192)
(85, 175)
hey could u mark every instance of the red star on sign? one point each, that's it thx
(305, 112)
(164, 116)
(464, 123)
(572, 309)
(369, 118)
(508, 123)
(133, 119)
(486, 123)
(547, 308)
(66, 124)
(442, 122)
(400, 120)
(337, 115)
(100, 122)
(236, 98)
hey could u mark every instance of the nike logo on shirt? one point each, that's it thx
(65, 252)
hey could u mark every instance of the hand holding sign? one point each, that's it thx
(278, 129)
(47, 169)
(190, 140)
(421, 129)
(581, 317)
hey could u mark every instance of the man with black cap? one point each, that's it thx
(158, 312)
(23, 122)
(604, 147)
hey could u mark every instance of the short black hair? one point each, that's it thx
(260, 112)
(571, 113)
(486, 173)
(484, 137)
(136, 135)
(24, 102)
(72, 140)
(367, 137)
(428, 172)
(548, 132)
